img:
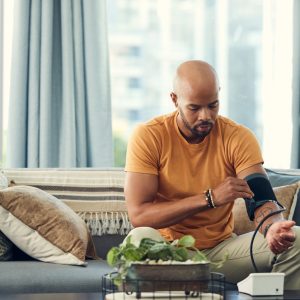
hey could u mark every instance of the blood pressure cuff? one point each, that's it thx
(263, 192)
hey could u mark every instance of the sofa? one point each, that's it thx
(96, 195)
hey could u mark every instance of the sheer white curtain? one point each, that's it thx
(277, 67)
(296, 87)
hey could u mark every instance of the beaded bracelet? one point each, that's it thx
(209, 199)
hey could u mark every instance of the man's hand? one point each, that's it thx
(230, 189)
(280, 236)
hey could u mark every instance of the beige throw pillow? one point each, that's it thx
(284, 194)
(43, 226)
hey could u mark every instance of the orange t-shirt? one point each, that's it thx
(157, 147)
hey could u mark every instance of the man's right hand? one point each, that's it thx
(230, 189)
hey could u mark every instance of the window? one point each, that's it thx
(248, 42)
(1, 78)
(6, 25)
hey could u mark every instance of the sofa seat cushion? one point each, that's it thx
(39, 277)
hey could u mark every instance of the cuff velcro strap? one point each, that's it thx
(263, 192)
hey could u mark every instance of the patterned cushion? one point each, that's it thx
(6, 247)
(43, 226)
(96, 195)
(286, 195)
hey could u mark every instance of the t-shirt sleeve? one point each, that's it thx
(142, 154)
(244, 150)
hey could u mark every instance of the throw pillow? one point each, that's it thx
(96, 195)
(44, 227)
(6, 248)
(284, 194)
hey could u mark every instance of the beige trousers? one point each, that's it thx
(238, 265)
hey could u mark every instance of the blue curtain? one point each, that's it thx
(60, 108)
(295, 157)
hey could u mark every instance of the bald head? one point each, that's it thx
(195, 95)
(195, 76)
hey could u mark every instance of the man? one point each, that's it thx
(184, 171)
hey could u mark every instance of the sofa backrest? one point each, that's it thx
(97, 196)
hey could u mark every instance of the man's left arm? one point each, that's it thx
(277, 231)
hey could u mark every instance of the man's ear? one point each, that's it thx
(174, 98)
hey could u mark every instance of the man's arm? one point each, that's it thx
(145, 210)
(278, 231)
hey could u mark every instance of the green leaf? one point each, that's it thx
(180, 254)
(113, 256)
(199, 256)
(133, 254)
(147, 243)
(174, 243)
(218, 264)
(186, 241)
(160, 251)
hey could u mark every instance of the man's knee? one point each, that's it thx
(139, 233)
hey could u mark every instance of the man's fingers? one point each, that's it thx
(274, 249)
(286, 244)
(289, 237)
(245, 195)
(287, 224)
(277, 248)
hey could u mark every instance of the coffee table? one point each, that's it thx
(230, 295)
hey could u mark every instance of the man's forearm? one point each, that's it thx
(263, 211)
(164, 213)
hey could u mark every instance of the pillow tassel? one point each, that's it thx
(113, 227)
(100, 223)
(126, 225)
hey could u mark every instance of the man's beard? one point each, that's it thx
(193, 129)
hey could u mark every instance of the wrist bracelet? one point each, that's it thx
(209, 199)
(266, 229)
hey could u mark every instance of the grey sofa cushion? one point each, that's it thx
(40, 277)
(283, 177)
(104, 242)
